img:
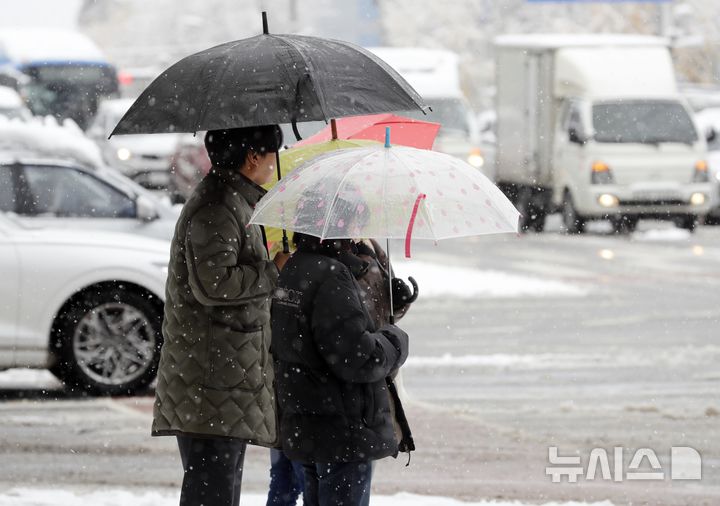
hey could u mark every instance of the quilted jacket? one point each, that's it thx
(215, 375)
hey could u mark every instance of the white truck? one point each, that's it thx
(594, 126)
(435, 75)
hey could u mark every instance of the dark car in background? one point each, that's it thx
(60, 73)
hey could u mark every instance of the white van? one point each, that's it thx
(435, 75)
(594, 126)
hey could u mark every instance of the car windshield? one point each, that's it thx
(645, 122)
(451, 113)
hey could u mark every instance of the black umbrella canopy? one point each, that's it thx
(268, 79)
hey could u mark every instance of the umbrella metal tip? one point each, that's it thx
(387, 137)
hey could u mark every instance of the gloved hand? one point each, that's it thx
(399, 340)
(401, 293)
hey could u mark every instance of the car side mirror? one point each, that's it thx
(574, 136)
(710, 134)
(146, 210)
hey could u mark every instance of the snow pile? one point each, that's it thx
(29, 378)
(671, 357)
(33, 45)
(46, 137)
(120, 497)
(437, 280)
(662, 235)
(9, 98)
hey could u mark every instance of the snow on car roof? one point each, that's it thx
(9, 98)
(46, 137)
(34, 45)
(555, 41)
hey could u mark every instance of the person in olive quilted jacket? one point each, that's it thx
(215, 378)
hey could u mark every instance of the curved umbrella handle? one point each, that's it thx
(296, 131)
(416, 290)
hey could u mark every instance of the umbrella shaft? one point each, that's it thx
(286, 243)
(392, 310)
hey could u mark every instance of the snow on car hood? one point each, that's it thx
(112, 240)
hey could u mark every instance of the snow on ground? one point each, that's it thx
(674, 356)
(28, 378)
(436, 280)
(123, 497)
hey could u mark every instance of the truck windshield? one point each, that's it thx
(645, 122)
(451, 113)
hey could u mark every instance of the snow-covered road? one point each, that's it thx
(517, 344)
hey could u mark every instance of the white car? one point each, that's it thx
(145, 158)
(88, 307)
(47, 192)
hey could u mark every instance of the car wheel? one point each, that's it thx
(108, 343)
(574, 223)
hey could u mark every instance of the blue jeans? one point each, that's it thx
(344, 483)
(287, 480)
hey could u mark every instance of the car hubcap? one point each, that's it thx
(114, 344)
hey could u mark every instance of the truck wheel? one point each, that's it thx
(108, 343)
(624, 224)
(688, 223)
(574, 223)
(531, 211)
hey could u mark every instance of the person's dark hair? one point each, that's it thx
(229, 148)
(329, 247)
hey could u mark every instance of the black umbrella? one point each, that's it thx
(265, 80)
(268, 79)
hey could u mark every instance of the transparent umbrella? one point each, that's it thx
(387, 192)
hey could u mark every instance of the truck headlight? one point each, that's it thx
(697, 199)
(607, 200)
(124, 154)
(476, 158)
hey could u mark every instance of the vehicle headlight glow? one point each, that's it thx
(697, 199)
(123, 154)
(607, 200)
(476, 158)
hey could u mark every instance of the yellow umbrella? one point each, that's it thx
(293, 158)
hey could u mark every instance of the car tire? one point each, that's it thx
(108, 342)
(573, 222)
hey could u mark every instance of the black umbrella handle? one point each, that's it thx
(296, 131)
(286, 243)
